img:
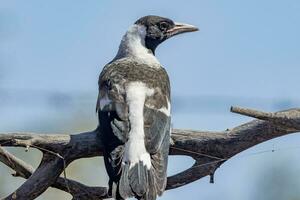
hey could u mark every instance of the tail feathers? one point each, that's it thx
(124, 183)
(138, 181)
(151, 194)
(138, 177)
(143, 183)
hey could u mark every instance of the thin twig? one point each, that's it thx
(197, 153)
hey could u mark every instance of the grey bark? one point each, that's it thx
(208, 149)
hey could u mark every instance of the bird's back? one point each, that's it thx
(134, 103)
(126, 70)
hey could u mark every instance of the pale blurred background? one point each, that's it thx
(247, 53)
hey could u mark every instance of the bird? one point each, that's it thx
(134, 111)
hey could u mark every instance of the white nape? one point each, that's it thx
(133, 45)
(135, 150)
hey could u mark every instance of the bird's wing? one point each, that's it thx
(156, 122)
(113, 120)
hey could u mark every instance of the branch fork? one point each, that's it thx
(209, 150)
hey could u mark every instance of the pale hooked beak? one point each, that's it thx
(181, 28)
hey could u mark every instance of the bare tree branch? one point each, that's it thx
(77, 190)
(208, 149)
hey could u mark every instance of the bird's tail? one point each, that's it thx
(143, 182)
(138, 181)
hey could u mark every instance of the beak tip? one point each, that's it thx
(194, 28)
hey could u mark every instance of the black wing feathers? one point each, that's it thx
(157, 125)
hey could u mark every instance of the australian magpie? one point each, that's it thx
(134, 111)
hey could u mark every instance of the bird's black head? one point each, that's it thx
(158, 29)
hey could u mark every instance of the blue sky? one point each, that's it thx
(243, 48)
(246, 53)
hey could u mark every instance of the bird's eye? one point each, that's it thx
(163, 26)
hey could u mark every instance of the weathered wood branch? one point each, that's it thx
(76, 189)
(208, 149)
